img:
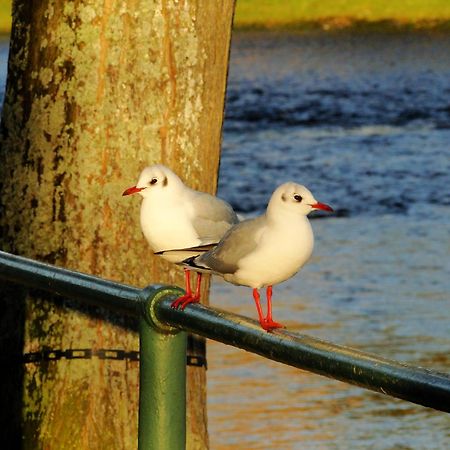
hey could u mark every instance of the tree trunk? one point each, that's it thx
(96, 91)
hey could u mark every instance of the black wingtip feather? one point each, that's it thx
(191, 262)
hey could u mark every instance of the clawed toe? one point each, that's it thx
(182, 302)
(270, 325)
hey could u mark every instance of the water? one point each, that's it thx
(345, 114)
(4, 48)
(364, 121)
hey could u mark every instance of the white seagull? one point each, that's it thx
(266, 250)
(179, 222)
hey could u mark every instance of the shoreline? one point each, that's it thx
(344, 23)
(348, 25)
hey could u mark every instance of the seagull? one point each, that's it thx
(268, 249)
(179, 222)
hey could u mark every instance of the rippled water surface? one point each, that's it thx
(364, 121)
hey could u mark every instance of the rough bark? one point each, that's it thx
(96, 91)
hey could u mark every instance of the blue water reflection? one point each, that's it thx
(364, 122)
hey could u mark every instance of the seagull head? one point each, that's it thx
(155, 179)
(295, 198)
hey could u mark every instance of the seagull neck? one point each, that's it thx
(279, 217)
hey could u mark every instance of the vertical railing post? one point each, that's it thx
(162, 389)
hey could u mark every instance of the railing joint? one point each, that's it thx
(150, 297)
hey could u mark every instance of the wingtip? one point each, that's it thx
(191, 262)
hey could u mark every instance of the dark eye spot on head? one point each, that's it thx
(283, 197)
(153, 181)
(298, 198)
(165, 181)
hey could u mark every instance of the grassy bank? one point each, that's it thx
(328, 14)
(323, 14)
(5, 16)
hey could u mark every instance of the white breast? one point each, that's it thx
(281, 252)
(167, 227)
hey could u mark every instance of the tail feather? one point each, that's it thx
(193, 264)
(199, 249)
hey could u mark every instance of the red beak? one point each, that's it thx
(132, 190)
(322, 206)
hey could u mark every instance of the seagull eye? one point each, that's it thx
(298, 198)
(153, 181)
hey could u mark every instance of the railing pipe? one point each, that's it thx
(87, 288)
(415, 384)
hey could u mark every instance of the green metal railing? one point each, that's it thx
(163, 348)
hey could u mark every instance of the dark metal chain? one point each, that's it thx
(196, 361)
(80, 353)
(88, 353)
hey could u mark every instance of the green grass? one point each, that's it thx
(320, 13)
(339, 13)
(5, 16)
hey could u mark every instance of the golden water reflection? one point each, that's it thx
(254, 403)
(259, 404)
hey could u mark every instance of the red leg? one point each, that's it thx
(269, 323)
(187, 278)
(179, 301)
(258, 306)
(269, 302)
(184, 300)
(196, 296)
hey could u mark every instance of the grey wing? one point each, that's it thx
(213, 217)
(237, 243)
